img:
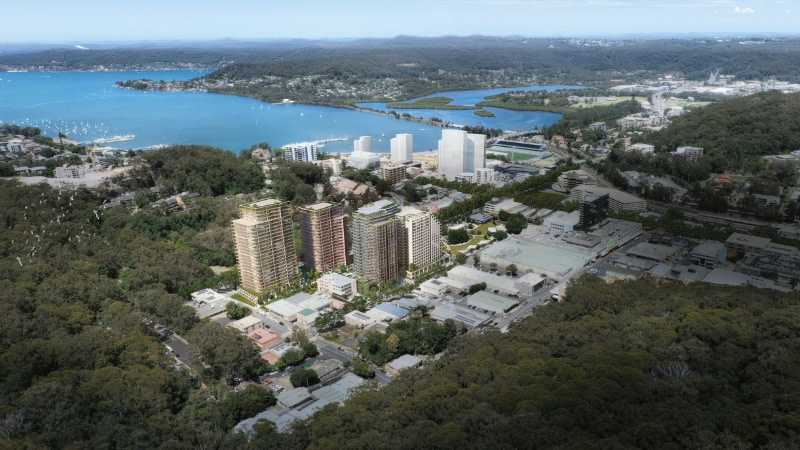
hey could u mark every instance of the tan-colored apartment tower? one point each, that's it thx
(322, 227)
(264, 246)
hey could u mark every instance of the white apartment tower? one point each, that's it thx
(461, 152)
(402, 147)
(301, 151)
(421, 241)
(363, 144)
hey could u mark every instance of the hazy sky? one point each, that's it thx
(86, 21)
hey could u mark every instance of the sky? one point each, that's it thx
(81, 22)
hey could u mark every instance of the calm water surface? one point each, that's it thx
(87, 106)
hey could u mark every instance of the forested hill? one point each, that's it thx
(551, 58)
(632, 365)
(739, 128)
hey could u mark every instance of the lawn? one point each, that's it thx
(475, 239)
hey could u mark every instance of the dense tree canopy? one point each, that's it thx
(202, 169)
(642, 364)
(738, 129)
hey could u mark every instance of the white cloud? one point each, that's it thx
(740, 10)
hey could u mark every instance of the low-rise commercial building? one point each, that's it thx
(283, 311)
(561, 221)
(654, 252)
(486, 301)
(470, 276)
(337, 285)
(395, 366)
(709, 254)
(470, 318)
(358, 319)
(434, 287)
(389, 311)
(208, 302)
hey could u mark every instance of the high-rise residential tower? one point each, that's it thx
(264, 246)
(402, 147)
(421, 241)
(363, 144)
(322, 227)
(461, 152)
(376, 237)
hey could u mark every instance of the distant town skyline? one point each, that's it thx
(86, 21)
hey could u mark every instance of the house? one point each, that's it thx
(264, 338)
(247, 324)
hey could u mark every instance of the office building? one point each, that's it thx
(421, 241)
(264, 246)
(376, 235)
(402, 147)
(593, 209)
(301, 151)
(618, 201)
(572, 178)
(461, 152)
(322, 227)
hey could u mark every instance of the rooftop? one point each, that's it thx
(283, 308)
(337, 278)
(472, 319)
(748, 240)
(539, 257)
(655, 252)
(318, 206)
(391, 309)
(490, 302)
(404, 362)
(245, 323)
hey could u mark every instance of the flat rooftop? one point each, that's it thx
(655, 252)
(537, 256)
(748, 240)
(318, 206)
(468, 317)
(490, 302)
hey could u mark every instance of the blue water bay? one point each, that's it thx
(87, 106)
